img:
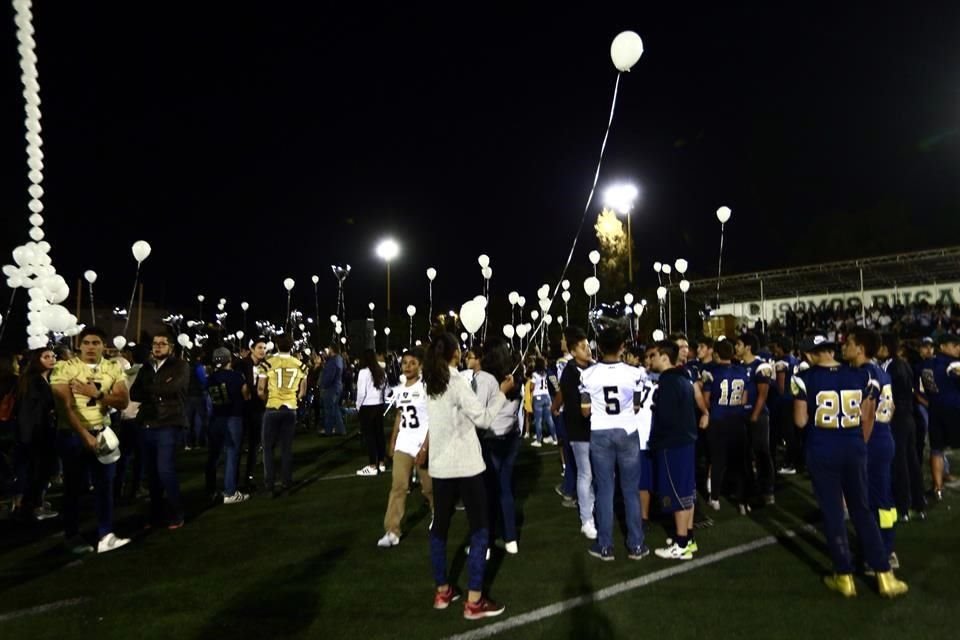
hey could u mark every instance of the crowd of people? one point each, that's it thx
(643, 424)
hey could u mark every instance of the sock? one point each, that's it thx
(681, 540)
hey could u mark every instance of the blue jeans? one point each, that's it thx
(332, 417)
(278, 426)
(837, 462)
(541, 412)
(79, 467)
(609, 449)
(159, 447)
(225, 436)
(585, 495)
(499, 454)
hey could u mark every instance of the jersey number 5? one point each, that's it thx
(612, 401)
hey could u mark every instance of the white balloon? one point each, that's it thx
(566, 296)
(594, 257)
(371, 306)
(411, 310)
(37, 342)
(483, 261)
(548, 319)
(270, 345)
(643, 302)
(183, 339)
(512, 297)
(43, 247)
(661, 293)
(565, 284)
(90, 276)
(667, 269)
(119, 342)
(472, 315)
(534, 314)
(684, 285)
(487, 273)
(9, 270)
(464, 335)
(545, 304)
(431, 274)
(36, 220)
(522, 330)
(657, 267)
(141, 250)
(240, 335)
(35, 206)
(628, 298)
(625, 50)
(35, 329)
(521, 301)
(37, 294)
(638, 308)
(543, 292)
(591, 286)
(15, 281)
(315, 279)
(36, 191)
(201, 297)
(481, 301)
(386, 330)
(723, 214)
(681, 266)
(333, 319)
(288, 284)
(223, 301)
(34, 304)
(509, 331)
(338, 329)
(657, 335)
(244, 305)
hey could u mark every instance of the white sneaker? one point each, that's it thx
(589, 529)
(369, 470)
(715, 505)
(389, 539)
(674, 552)
(512, 547)
(110, 542)
(236, 498)
(787, 471)
(536, 443)
(549, 440)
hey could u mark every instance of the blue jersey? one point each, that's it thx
(940, 380)
(758, 372)
(726, 384)
(694, 369)
(834, 396)
(788, 365)
(881, 390)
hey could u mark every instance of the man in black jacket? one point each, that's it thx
(160, 389)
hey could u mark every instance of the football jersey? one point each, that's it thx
(411, 403)
(833, 395)
(727, 384)
(283, 373)
(644, 408)
(758, 372)
(610, 389)
(540, 384)
(787, 364)
(103, 375)
(940, 379)
(881, 390)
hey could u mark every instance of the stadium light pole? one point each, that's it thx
(620, 198)
(388, 250)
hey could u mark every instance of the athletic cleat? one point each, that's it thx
(536, 443)
(482, 608)
(369, 470)
(389, 539)
(110, 542)
(549, 440)
(512, 547)
(589, 530)
(236, 498)
(842, 583)
(675, 552)
(715, 505)
(691, 545)
(638, 553)
(889, 586)
(604, 553)
(442, 599)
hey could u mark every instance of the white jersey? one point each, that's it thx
(644, 407)
(411, 402)
(540, 387)
(609, 388)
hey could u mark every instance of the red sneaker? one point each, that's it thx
(442, 599)
(482, 608)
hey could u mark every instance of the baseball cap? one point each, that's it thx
(926, 340)
(221, 355)
(949, 338)
(814, 342)
(108, 446)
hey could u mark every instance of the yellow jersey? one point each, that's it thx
(103, 374)
(284, 373)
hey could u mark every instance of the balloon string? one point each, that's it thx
(6, 318)
(93, 314)
(719, 266)
(586, 209)
(136, 280)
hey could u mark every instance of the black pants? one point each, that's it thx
(130, 458)
(758, 434)
(371, 425)
(253, 426)
(783, 430)
(728, 452)
(907, 475)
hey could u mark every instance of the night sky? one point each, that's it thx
(251, 144)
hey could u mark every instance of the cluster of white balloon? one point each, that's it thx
(34, 270)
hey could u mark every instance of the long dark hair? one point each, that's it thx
(369, 361)
(31, 372)
(499, 361)
(436, 364)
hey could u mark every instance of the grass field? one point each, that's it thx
(306, 566)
